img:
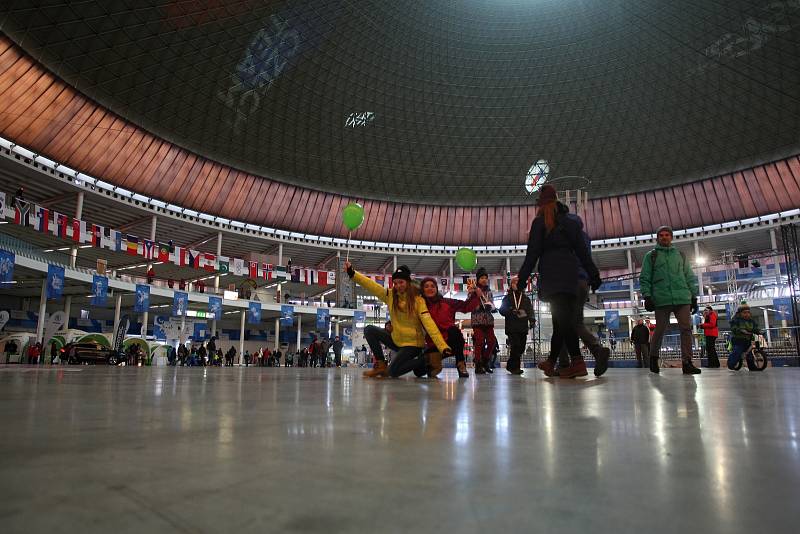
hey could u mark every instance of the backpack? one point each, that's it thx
(654, 255)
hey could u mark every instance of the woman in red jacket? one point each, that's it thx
(443, 312)
(709, 326)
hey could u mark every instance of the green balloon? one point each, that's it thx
(466, 259)
(353, 216)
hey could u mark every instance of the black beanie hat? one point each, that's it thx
(402, 273)
(481, 272)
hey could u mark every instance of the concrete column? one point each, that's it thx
(145, 318)
(773, 239)
(216, 282)
(337, 328)
(146, 314)
(117, 310)
(766, 326)
(631, 292)
(42, 312)
(394, 264)
(452, 278)
(241, 337)
(299, 329)
(280, 254)
(277, 333)
(73, 253)
(67, 309)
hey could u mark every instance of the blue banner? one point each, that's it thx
(783, 309)
(142, 303)
(215, 308)
(55, 281)
(180, 303)
(99, 290)
(287, 315)
(730, 309)
(254, 312)
(323, 318)
(360, 319)
(7, 260)
(612, 320)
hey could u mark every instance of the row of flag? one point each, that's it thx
(82, 232)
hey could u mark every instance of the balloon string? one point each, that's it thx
(348, 245)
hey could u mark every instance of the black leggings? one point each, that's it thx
(455, 339)
(405, 360)
(564, 311)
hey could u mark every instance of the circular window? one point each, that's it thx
(537, 176)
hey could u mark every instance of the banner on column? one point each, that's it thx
(730, 309)
(612, 320)
(215, 308)
(180, 303)
(57, 321)
(323, 318)
(359, 319)
(55, 281)
(99, 290)
(142, 303)
(783, 309)
(166, 328)
(287, 315)
(7, 260)
(122, 329)
(254, 312)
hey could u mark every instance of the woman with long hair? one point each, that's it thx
(410, 320)
(556, 244)
(443, 311)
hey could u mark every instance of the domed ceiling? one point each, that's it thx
(441, 102)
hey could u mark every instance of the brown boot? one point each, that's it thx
(578, 368)
(462, 369)
(434, 364)
(379, 370)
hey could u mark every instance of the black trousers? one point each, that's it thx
(711, 351)
(405, 359)
(516, 344)
(564, 312)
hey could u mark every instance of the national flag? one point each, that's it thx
(163, 252)
(239, 268)
(62, 223)
(194, 258)
(21, 212)
(208, 262)
(179, 256)
(296, 275)
(389, 281)
(322, 278)
(311, 277)
(281, 272)
(78, 230)
(42, 220)
(264, 273)
(223, 264)
(132, 244)
(253, 270)
(54, 226)
(149, 249)
(331, 277)
(499, 283)
(445, 282)
(97, 234)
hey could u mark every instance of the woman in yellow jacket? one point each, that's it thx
(409, 316)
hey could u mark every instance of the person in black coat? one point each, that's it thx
(517, 310)
(640, 337)
(556, 244)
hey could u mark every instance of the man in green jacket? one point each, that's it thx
(669, 286)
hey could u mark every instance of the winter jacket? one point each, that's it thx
(407, 328)
(443, 312)
(742, 330)
(671, 281)
(337, 347)
(582, 274)
(559, 255)
(710, 327)
(482, 314)
(516, 322)
(640, 334)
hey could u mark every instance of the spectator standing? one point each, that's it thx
(711, 333)
(151, 275)
(669, 286)
(337, 351)
(640, 338)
